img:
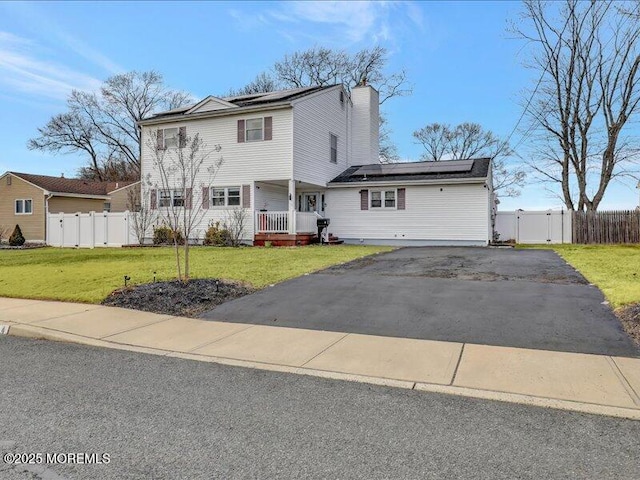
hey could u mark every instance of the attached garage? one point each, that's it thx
(418, 203)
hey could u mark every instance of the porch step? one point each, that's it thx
(333, 240)
(283, 239)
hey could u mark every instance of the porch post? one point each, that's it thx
(292, 207)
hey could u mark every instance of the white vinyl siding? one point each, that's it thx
(315, 118)
(455, 214)
(271, 197)
(243, 162)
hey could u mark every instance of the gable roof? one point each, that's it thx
(471, 169)
(72, 186)
(237, 103)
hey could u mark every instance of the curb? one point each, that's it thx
(25, 331)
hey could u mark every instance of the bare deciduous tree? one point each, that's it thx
(320, 66)
(103, 125)
(588, 56)
(236, 222)
(183, 173)
(5, 230)
(470, 140)
(142, 215)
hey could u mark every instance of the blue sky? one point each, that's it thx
(461, 61)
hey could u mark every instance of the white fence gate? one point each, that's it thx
(89, 230)
(550, 226)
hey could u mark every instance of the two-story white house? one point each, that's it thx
(293, 156)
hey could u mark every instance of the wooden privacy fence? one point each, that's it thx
(622, 226)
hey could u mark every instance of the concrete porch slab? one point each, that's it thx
(398, 358)
(36, 312)
(283, 346)
(565, 376)
(177, 334)
(102, 322)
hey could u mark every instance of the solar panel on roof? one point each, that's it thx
(449, 166)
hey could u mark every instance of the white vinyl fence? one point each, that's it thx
(551, 226)
(89, 230)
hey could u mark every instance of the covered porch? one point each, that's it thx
(287, 212)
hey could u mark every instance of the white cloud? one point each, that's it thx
(22, 71)
(46, 27)
(337, 23)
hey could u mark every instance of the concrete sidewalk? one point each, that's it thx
(587, 383)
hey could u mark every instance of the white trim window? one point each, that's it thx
(168, 198)
(24, 206)
(383, 199)
(333, 141)
(171, 137)
(254, 129)
(226, 196)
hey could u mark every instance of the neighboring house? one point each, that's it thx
(293, 156)
(25, 199)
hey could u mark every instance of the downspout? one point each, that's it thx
(46, 215)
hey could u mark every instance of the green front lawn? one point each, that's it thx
(615, 269)
(90, 275)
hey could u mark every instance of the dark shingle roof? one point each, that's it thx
(251, 100)
(71, 185)
(479, 169)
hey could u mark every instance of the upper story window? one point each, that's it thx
(255, 129)
(383, 199)
(170, 138)
(175, 137)
(24, 207)
(333, 139)
(225, 197)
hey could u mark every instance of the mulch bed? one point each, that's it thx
(177, 298)
(630, 318)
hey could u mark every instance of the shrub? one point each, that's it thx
(216, 236)
(16, 239)
(164, 235)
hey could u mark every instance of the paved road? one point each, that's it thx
(167, 418)
(517, 298)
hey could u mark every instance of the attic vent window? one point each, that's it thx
(8, 179)
(341, 97)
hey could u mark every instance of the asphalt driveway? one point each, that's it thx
(518, 298)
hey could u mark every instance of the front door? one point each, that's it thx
(311, 202)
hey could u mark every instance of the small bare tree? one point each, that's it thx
(5, 231)
(142, 215)
(182, 175)
(235, 223)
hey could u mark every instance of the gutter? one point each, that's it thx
(79, 195)
(46, 215)
(456, 181)
(215, 113)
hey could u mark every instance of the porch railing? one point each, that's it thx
(306, 222)
(278, 222)
(272, 222)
